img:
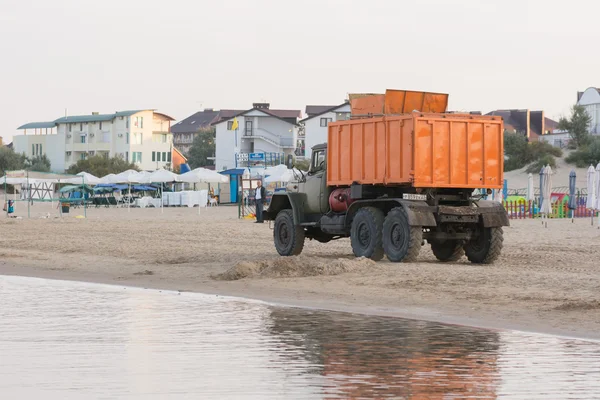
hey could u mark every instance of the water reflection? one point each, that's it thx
(380, 357)
(61, 340)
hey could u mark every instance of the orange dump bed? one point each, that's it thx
(422, 150)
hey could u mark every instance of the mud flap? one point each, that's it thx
(418, 212)
(492, 214)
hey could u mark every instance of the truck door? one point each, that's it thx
(314, 184)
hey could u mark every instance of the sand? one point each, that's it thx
(547, 280)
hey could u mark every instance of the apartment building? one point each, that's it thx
(140, 136)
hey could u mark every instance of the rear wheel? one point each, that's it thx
(401, 242)
(365, 233)
(486, 245)
(448, 250)
(289, 239)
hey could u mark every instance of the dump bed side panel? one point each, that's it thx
(425, 150)
(458, 152)
(357, 152)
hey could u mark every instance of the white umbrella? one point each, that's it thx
(591, 188)
(546, 188)
(530, 191)
(110, 178)
(130, 176)
(89, 179)
(597, 186)
(283, 176)
(203, 175)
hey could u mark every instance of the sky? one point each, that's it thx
(182, 56)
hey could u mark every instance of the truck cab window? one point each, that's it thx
(318, 161)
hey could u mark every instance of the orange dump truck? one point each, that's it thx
(399, 173)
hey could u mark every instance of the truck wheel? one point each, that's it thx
(401, 241)
(365, 233)
(448, 250)
(289, 239)
(486, 246)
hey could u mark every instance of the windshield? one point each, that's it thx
(318, 161)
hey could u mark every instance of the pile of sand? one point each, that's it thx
(293, 267)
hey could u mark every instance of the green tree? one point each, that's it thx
(520, 153)
(39, 163)
(202, 148)
(302, 165)
(577, 126)
(101, 166)
(9, 160)
(586, 155)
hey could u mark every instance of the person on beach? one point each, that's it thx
(260, 195)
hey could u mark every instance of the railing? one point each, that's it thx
(270, 137)
(523, 209)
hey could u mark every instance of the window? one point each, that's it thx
(137, 138)
(164, 138)
(81, 127)
(41, 152)
(70, 127)
(142, 122)
(164, 156)
(82, 156)
(342, 116)
(318, 161)
(229, 125)
(248, 128)
(169, 157)
(325, 121)
(153, 156)
(127, 123)
(33, 149)
(137, 156)
(100, 125)
(82, 138)
(127, 156)
(127, 137)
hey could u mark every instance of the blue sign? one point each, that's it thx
(256, 156)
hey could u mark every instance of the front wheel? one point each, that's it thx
(447, 250)
(486, 246)
(289, 239)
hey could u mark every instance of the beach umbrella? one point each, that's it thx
(530, 195)
(203, 175)
(546, 190)
(572, 189)
(590, 203)
(89, 179)
(597, 187)
(541, 186)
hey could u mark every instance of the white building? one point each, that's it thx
(272, 133)
(590, 100)
(140, 136)
(315, 124)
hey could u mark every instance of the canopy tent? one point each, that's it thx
(76, 188)
(162, 176)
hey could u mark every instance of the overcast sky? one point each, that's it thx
(180, 56)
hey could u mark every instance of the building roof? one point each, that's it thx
(75, 119)
(517, 120)
(196, 122)
(37, 125)
(289, 116)
(314, 110)
(322, 110)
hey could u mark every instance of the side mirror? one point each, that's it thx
(290, 161)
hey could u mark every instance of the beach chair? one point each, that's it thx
(112, 201)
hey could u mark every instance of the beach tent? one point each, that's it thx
(203, 175)
(162, 176)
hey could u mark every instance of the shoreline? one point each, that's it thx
(547, 280)
(305, 302)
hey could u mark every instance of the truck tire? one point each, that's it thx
(366, 233)
(288, 238)
(448, 250)
(401, 242)
(485, 248)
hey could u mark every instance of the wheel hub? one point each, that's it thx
(364, 236)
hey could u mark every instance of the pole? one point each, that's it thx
(29, 197)
(129, 199)
(5, 194)
(83, 193)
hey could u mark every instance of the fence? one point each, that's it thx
(522, 209)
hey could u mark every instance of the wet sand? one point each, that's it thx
(548, 279)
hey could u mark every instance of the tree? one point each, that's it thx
(520, 153)
(302, 165)
(577, 126)
(586, 155)
(39, 163)
(9, 160)
(101, 166)
(202, 148)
